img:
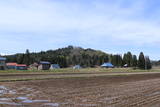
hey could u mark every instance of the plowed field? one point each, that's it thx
(138, 90)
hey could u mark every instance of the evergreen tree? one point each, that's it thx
(148, 63)
(141, 61)
(125, 59)
(134, 61)
(120, 61)
(20, 59)
(27, 58)
(129, 59)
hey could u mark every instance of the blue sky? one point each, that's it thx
(113, 26)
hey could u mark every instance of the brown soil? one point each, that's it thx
(142, 90)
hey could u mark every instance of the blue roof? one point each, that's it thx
(55, 66)
(107, 65)
(2, 59)
(77, 67)
(44, 62)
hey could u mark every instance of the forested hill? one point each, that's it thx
(70, 56)
(64, 56)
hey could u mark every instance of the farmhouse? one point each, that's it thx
(11, 65)
(44, 65)
(16, 66)
(2, 63)
(33, 66)
(107, 65)
(55, 66)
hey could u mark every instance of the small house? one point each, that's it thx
(33, 66)
(107, 65)
(55, 66)
(2, 63)
(44, 65)
(77, 67)
(21, 67)
(11, 65)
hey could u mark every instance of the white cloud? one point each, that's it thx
(33, 23)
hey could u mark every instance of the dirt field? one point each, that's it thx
(138, 90)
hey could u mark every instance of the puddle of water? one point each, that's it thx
(52, 104)
(152, 94)
(22, 98)
(2, 91)
(12, 92)
(34, 101)
(27, 101)
(5, 99)
(88, 105)
(7, 103)
(3, 88)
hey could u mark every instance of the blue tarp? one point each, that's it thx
(55, 66)
(108, 65)
(77, 67)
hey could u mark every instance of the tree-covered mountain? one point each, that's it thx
(64, 56)
(71, 55)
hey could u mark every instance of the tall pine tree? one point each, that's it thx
(141, 61)
(134, 61)
(27, 59)
(148, 62)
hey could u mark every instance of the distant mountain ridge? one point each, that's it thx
(64, 56)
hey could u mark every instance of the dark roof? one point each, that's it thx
(2, 59)
(44, 62)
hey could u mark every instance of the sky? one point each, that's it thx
(112, 26)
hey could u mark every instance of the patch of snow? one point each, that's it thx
(5, 99)
(52, 104)
(34, 101)
(7, 103)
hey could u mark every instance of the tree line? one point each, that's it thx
(71, 55)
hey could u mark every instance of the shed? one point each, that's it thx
(44, 65)
(55, 66)
(2, 63)
(107, 65)
(33, 66)
(77, 67)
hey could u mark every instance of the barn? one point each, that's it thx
(44, 65)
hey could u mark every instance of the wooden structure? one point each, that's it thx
(44, 65)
